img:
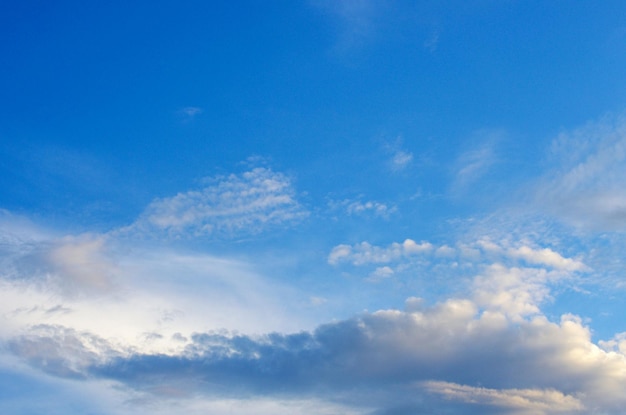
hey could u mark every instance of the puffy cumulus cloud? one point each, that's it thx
(495, 353)
(246, 203)
(617, 343)
(588, 186)
(515, 292)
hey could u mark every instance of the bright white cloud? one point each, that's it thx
(246, 203)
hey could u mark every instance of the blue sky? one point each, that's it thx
(315, 207)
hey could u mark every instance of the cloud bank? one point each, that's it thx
(497, 353)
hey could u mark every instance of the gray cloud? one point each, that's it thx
(389, 361)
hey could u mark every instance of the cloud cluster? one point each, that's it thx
(249, 202)
(479, 350)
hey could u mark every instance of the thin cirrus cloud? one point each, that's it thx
(355, 21)
(230, 205)
(586, 188)
(188, 114)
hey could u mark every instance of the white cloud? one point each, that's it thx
(496, 336)
(355, 20)
(189, 113)
(515, 292)
(380, 274)
(481, 251)
(527, 401)
(432, 41)
(475, 163)
(81, 265)
(525, 365)
(247, 203)
(546, 257)
(365, 253)
(445, 251)
(401, 159)
(363, 208)
(588, 186)
(134, 296)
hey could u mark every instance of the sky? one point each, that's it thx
(313, 207)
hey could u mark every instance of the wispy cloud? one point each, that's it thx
(433, 40)
(588, 186)
(364, 208)
(355, 20)
(189, 113)
(231, 205)
(400, 158)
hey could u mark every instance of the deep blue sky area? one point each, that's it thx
(294, 207)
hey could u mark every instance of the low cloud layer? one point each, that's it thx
(494, 349)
